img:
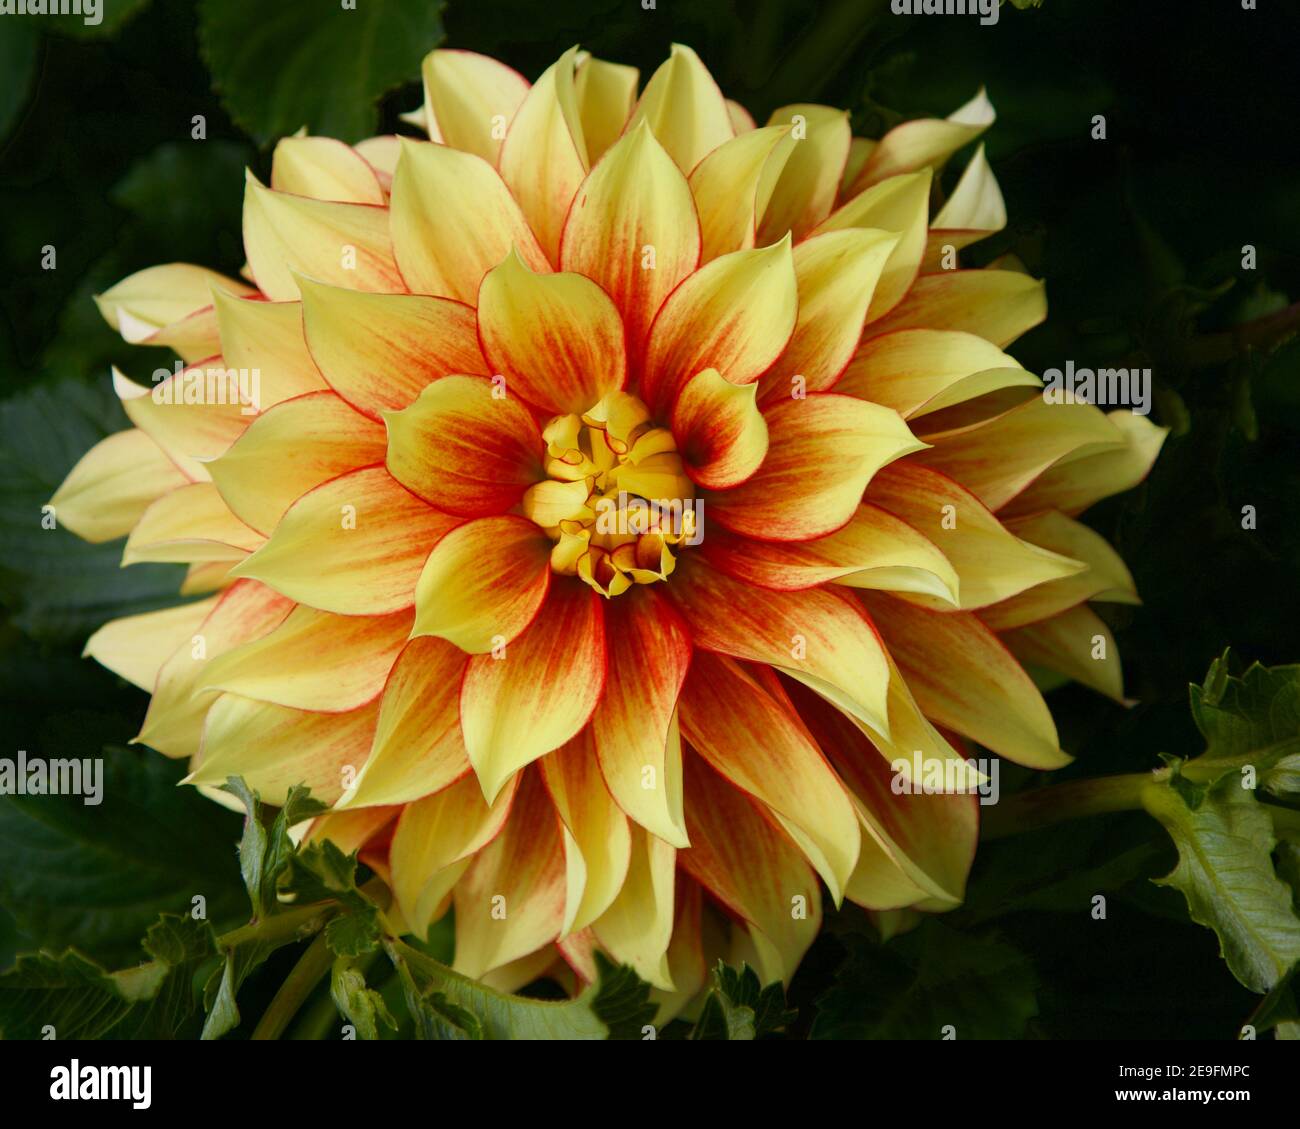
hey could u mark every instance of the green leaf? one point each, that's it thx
(112, 15)
(621, 1000)
(79, 999)
(94, 876)
(363, 1007)
(926, 981)
(18, 50)
(313, 63)
(432, 990)
(738, 1007)
(1225, 871)
(56, 586)
(1282, 1004)
(1254, 719)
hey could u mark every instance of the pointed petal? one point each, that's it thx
(544, 157)
(418, 747)
(998, 305)
(721, 434)
(751, 868)
(917, 371)
(511, 900)
(974, 211)
(965, 680)
(756, 742)
(469, 99)
(463, 449)
(1076, 643)
(113, 484)
(346, 244)
(191, 523)
(435, 838)
(327, 439)
(531, 697)
(557, 338)
(314, 661)
(733, 184)
(823, 638)
(822, 452)
(354, 545)
(606, 94)
(735, 314)
(633, 229)
(324, 169)
(169, 305)
(637, 928)
(484, 583)
(379, 351)
(685, 108)
(268, 337)
(136, 646)
(453, 220)
(594, 828)
(992, 564)
(805, 192)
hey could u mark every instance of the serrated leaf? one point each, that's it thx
(926, 981)
(1225, 871)
(621, 1000)
(79, 999)
(1253, 719)
(738, 1007)
(313, 63)
(362, 1006)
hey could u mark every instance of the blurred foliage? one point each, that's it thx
(1140, 237)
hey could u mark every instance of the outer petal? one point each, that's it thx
(274, 748)
(379, 351)
(354, 545)
(1075, 643)
(169, 305)
(751, 868)
(113, 484)
(314, 661)
(1105, 578)
(606, 94)
(998, 458)
(418, 747)
(820, 637)
(327, 439)
(462, 449)
(191, 523)
(434, 841)
(597, 843)
(637, 928)
(822, 452)
(992, 563)
(469, 99)
(511, 901)
(347, 244)
(836, 273)
(998, 305)
(557, 338)
(544, 157)
(964, 679)
(136, 646)
(721, 434)
(484, 583)
(901, 204)
(636, 737)
(874, 550)
(756, 742)
(685, 108)
(634, 211)
(529, 699)
(733, 184)
(805, 193)
(268, 337)
(974, 211)
(1075, 484)
(174, 722)
(324, 169)
(736, 315)
(917, 371)
(453, 220)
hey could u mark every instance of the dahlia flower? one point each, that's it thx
(618, 497)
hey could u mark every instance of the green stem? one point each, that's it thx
(1042, 807)
(293, 993)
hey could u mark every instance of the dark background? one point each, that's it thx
(1139, 236)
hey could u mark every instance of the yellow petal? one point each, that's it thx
(1075, 643)
(974, 211)
(998, 305)
(484, 583)
(606, 94)
(192, 523)
(136, 646)
(733, 184)
(346, 244)
(453, 219)
(268, 337)
(805, 192)
(469, 100)
(113, 484)
(685, 108)
(354, 545)
(324, 169)
(637, 928)
(721, 434)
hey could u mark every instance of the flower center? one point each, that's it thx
(617, 503)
